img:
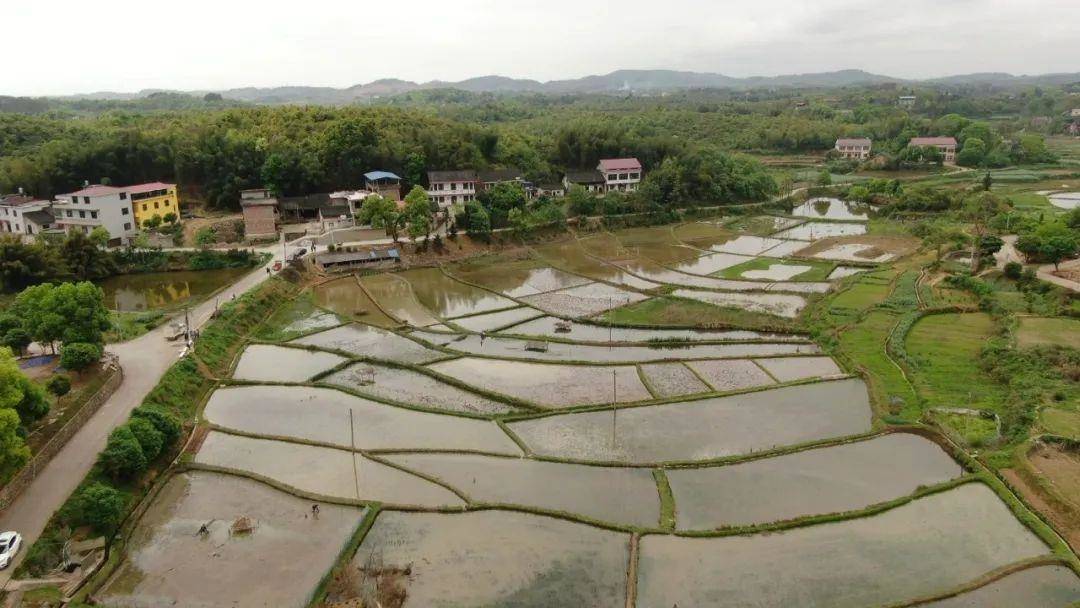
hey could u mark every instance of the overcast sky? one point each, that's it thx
(55, 47)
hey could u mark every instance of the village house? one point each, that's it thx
(446, 188)
(591, 181)
(24, 215)
(620, 174)
(155, 198)
(353, 199)
(96, 205)
(383, 183)
(945, 145)
(260, 213)
(489, 177)
(551, 190)
(906, 101)
(857, 148)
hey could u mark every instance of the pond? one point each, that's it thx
(449, 298)
(165, 290)
(1065, 200)
(812, 231)
(832, 209)
(1049, 586)
(345, 297)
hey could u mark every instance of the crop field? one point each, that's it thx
(602, 423)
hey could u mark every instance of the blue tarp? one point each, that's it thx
(377, 175)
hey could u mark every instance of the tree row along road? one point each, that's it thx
(144, 359)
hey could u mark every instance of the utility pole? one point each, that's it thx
(614, 410)
(187, 326)
(610, 322)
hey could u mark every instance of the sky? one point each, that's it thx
(57, 47)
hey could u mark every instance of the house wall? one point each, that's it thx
(113, 211)
(259, 220)
(148, 207)
(445, 194)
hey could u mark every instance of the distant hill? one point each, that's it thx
(633, 81)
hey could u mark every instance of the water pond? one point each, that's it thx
(710, 263)
(497, 320)
(825, 480)
(585, 300)
(449, 298)
(706, 428)
(781, 305)
(1065, 200)
(731, 374)
(672, 380)
(498, 558)
(788, 369)
(345, 297)
(812, 231)
(287, 553)
(518, 279)
(396, 297)
(925, 546)
(570, 256)
(833, 209)
(165, 290)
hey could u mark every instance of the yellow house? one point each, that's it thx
(156, 198)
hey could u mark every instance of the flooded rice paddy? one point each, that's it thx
(1042, 586)
(520, 279)
(165, 290)
(1065, 200)
(776, 272)
(449, 298)
(711, 263)
(825, 480)
(323, 415)
(812, 231)
(781, 305)
(832, 209)
(515, 348)
(672, 380)
(570, 256)
(497, 320)
(938, 542)
(395, 296)
(788, 369)
(841, 272)
(549, 384)
(747, 245)
(854, 252)
(499, 558)
(365, 341)
(585, 300)
(594, 332)
(706, 428)
(345, 297)
(328, 473)
(266, 363)
(407, 386)
(731, 375)
(624, 496)
(278, 563)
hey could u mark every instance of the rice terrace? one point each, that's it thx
(656, 416)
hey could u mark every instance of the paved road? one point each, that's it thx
(1008, 253)
(144, 360)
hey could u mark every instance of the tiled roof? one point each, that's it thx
(149, 187)
(620, 164)
(466, 175)
(95, 190)
(584, 177)
(932, 141)
(499, 175)
(853, 141)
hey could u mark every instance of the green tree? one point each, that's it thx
(500, 199)
(664, 186)
(84, 259)
(169, 218)
(153, 223)
(13, 450)
(77, 356)
(1052, 242)
(973, 153)
(167, 424)
(417, 213)
(99, 236)
(150, 439)
(99, 506)
(68, 312)
(123, 458)
(479, 222)
(824, 178)
(22, 265)
(581, 201)
(378, 211)
(58, 385)
(206, 236)
(19, 393)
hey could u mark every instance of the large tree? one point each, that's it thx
(417, 213)
(19, 393)
(24, 264)
(68, 312)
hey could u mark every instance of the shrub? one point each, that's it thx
(17, 339)
(58, 385)
(1013, 270)
(163, 421)
(78, 356)
(150, 439)
(99, 506)
(123, 457)
(205, 236)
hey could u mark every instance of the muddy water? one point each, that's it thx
(407, 386)
(781, 305)
(322, 415)
(499, 558)
(708, 264)
(345, 297)
(672, 379)
(514, 348)
(278, 364)
(702, 235)
(449, 298)
(1044, 586)
(619, 495)
(731, 375)
(278, 564)
(517, 281)
(590, 332)
(812, 231)
(832, 209)
(824, 480)
(785, 249)
(747, 245)
(323, 471)
(548, 384)
(787, 369)
(659, 274)
(706, 428)
(928, 545)
(165, 290)
(845, 271)
(570, 256)
(395, 296)
(604, 246)
(854, 252)
(365, 341)
(585, 300)
(496, 320)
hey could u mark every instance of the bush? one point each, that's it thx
(123, 458)
(17, 339)
(78, 356)
(163, 421)
(150, 439)
(205, 236)
(99, 506)
(1013, 270)
(58, 385)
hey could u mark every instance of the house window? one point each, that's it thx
(166, 202)
(127, 226)
(156, 205)
(82, 214)
(16, 227)
(68, 212)
(635, 175)
(123, 196)
(75, 199)
(86, 199)
(453, 186)
(144, 206)
(623, 176)
(124, 211)
(93, 215)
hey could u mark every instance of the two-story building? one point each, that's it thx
(97, 205)
(620, 174)
(591, 181)
(489, 177)
(383, 183)
(857, 148)
(260, 213)
(24, 216)
(155, 198)
(446, 188)
(945, 145)
(906, 101)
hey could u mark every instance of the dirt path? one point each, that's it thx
(144, 359)
(1064, 524)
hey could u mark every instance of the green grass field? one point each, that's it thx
(975, 431)
(1061, 422)
(668, 310)
(945, 349)
(1034, 331)
(864, 344)
(819, 271)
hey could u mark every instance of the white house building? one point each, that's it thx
(857, 148)
(95, 206)
(447, 188)
(24, 216)
(620, 174)
(945, 145)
